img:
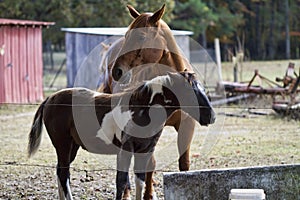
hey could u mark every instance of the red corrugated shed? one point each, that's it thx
(21, 64)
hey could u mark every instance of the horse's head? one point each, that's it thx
(147, 41)
(180, 91)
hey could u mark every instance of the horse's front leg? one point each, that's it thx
(123, 163)
(185, 128)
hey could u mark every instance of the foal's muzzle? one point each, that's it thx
(207, 117)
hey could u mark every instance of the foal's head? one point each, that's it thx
(178, 91)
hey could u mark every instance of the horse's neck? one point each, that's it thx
(176, 60)
(173, 57)
(172, 60)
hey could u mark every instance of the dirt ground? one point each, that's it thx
(238, 139)
(250, 140)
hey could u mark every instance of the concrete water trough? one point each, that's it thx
(278, 182)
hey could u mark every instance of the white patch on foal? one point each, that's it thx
(139, 184)
(61, 191)
(113, 123)
(139, 191)
(156, 85)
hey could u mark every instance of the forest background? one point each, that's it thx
(261, 29)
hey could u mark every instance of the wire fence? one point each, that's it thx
(234, 105)
(15, 164)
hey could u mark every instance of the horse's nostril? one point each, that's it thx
(117, 73)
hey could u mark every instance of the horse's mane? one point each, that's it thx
(176, 55)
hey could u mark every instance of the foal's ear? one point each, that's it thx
(157, 15)
(133, 12)
(173, 75)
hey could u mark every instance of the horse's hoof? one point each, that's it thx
(126, 197)
(153, 196)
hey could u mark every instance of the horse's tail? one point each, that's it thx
(36, 130)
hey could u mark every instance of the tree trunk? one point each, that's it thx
(287, 30)
(271, 45)
(257, 32)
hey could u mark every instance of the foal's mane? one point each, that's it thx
(140, 89)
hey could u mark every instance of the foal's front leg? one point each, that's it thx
(145, 164)
(123, 163)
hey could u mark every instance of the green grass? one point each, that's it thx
(268, 69)
(13, 109)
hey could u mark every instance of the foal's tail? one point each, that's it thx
(36, 130)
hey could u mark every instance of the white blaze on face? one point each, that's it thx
(156, 85)
(112, 124)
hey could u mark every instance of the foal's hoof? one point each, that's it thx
(154, 196)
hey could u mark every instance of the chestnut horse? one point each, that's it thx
(149, 40)
(112, 124)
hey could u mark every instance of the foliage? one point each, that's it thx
(58, 11)
(265, 34)
(209, 19)
(153, 5)
(230, 18)
(193, 15)
(261, 23)
(78, 13)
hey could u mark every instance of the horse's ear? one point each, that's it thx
(157, 15)
(133, 12)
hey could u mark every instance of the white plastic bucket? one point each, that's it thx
(247, 194)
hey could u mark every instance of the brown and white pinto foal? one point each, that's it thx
(124, 123)
(157, 99)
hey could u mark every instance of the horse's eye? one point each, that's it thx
(142, 38)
